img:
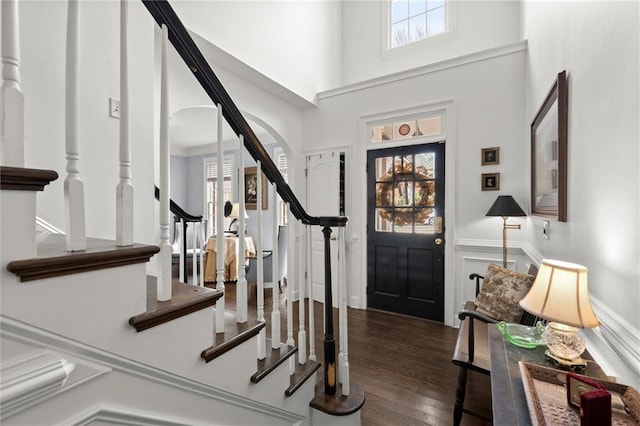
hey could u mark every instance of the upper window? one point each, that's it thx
(414, 20)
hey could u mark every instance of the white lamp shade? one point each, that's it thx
(559, 293)
(235, 211)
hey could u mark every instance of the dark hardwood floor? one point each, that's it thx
(402, 363)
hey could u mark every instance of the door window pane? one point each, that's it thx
(384, 220)
(406, 194)
(425, 195)
(383, 168)
(383, 195)
(403, 194)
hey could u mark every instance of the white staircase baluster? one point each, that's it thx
(11, 96)
(343, 368)
(73, 185)
(289, 296)
(124, 190)
(302, 333)
(241, 285)
(164, 279)
(312, 321)
(220, 304)
(262, 336)
(203, 247)
(183, 255)
(275, 313)
(194, 253)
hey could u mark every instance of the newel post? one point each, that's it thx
(329, 340)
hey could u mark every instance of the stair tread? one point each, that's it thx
(237, 334)
(338, 405)
(273, 358)
(185, 299)
(301, 375)
(52, 258)
(23, 179)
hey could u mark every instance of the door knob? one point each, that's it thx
(438, 241)
(334, 238)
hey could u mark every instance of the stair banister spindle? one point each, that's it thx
(203, 247)
(220, 305)
(73, 185)
(275, 313)
(182, 243)
(194, 253)
(344, 330)
(289, 294)
(164, 279)
(262, 336)
(329, 340)
(302, 334)
(11, 96)
(124, 190)
(241, 300)
(312, 330)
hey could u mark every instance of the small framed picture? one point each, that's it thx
(490, 181)
(491, 156)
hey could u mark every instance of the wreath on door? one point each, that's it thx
(402, 216)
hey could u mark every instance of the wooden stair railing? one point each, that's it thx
(184, 218)
(165, 17)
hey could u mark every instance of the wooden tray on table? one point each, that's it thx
(547, 398)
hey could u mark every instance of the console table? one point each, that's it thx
(507, 392)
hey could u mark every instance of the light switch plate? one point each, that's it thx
(114, 108)
(545, 229)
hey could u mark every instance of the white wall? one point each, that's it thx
(297, 44)
(43, 29)
(486, 110)
(597, 43)
(475, 26)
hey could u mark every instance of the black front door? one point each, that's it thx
(405, 230)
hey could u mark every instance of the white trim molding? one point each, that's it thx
(30, 378)
(620, 337)
(109, 414)
(427, 69)
(83, 354)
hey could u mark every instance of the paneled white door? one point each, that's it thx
(323, 199)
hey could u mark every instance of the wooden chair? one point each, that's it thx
(472, 346)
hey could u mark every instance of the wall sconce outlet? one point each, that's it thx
(114, 108)
(545, 229)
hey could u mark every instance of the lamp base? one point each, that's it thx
(576, 365)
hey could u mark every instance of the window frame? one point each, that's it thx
(387, 26)
(232, 179)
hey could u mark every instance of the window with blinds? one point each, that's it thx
(211, 184)
(281, 163)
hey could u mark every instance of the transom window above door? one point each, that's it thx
(414, 20)
(406, 129)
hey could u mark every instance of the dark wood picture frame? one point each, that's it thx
(549, 153)
(490, 156)
(490, 181)
(251, 189)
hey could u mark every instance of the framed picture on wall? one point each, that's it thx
(490, 181)
(490, 156)
(549, 154)
(251, 189)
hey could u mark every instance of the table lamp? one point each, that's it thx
(505, 206)
(559, 294)
(234, 214)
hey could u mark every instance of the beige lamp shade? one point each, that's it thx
(235, 211)
(560, 294)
